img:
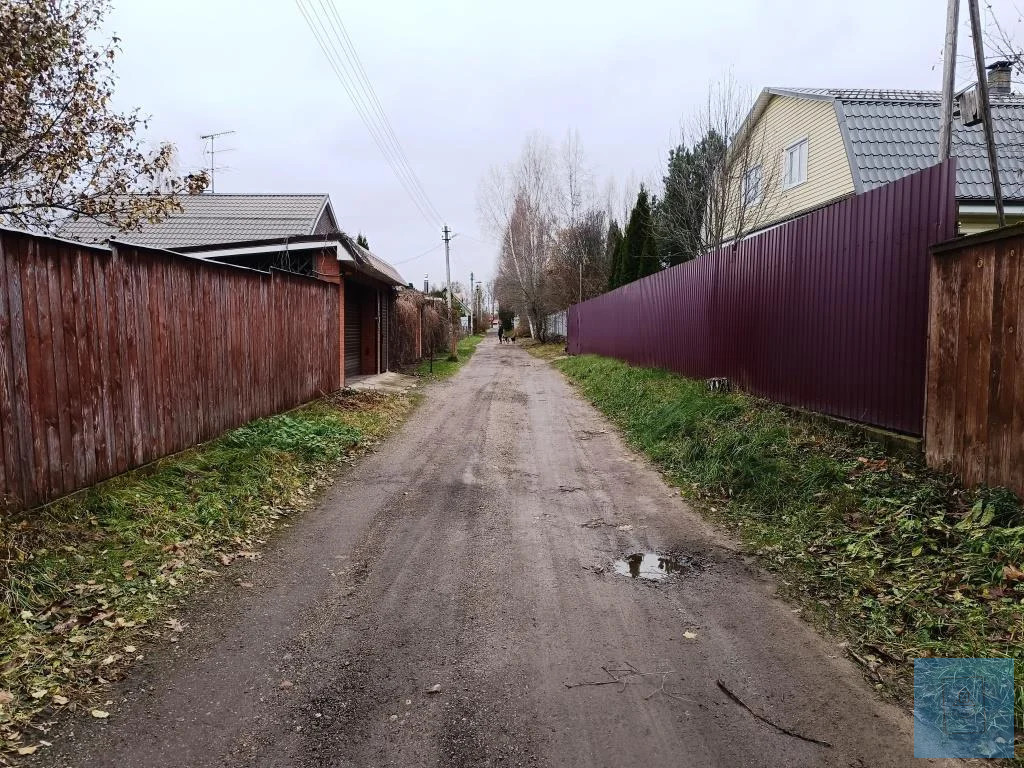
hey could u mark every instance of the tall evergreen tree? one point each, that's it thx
(362, 241)
(639, 252)
(613, 253)
(679, 218)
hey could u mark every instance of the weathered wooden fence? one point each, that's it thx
(827, 312)
(113, 357)
(974, 423)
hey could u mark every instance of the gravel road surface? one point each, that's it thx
(454, 601)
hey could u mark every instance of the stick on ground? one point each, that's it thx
(766, 721)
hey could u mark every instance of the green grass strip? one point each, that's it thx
(442, 368)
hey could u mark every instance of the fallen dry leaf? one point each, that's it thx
(62, 700)
(38, 694)
(27, 750)
(6, 697)
(99, 713)
(129, 649)
(175, 626)
(690, 635)
(226, 559)
(1012, 573)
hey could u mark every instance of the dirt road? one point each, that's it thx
(475, 552)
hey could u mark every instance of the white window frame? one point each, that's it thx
(787, 182)
(747, 199)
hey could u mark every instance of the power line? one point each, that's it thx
(431, 249)
(334, 59)
(364, 79)
(331, 36)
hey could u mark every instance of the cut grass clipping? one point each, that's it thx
(899, 559)
(84, 581)
(443, 368)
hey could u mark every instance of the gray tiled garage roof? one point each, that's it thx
(215, 218)
(893, 133)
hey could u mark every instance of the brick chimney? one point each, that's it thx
(999, 82)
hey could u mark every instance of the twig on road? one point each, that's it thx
(766, 721)
(622, 676)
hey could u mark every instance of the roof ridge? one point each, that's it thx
(208, 195)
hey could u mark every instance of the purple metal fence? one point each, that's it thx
(827, 312)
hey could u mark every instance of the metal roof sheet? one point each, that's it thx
(893, 133)
(215, 218)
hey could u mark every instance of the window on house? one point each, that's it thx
(794, 169)
(752, 186)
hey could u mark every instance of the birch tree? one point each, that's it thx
(518, 205)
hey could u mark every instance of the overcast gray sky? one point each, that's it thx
(464, 82)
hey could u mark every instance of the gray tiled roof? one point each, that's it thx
(893, 133)
(215, 218)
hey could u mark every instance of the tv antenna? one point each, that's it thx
(212, 152)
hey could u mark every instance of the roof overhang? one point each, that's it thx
(344, 247)
(265, 246)
(988, 208)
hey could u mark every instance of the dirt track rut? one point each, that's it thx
(473, 551)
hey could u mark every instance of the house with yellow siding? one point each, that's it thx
(809, 147)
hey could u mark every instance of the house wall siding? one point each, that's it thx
(785, 121)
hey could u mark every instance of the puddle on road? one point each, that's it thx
(650, 565)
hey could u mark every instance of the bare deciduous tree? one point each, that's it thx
(519, 204)
(731, 186)
(64, 152)
(544, 210)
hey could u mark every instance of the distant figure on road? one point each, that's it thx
(500, 333)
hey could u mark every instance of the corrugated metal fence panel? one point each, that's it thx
(974, 423)
(110, 359)
(827, 312)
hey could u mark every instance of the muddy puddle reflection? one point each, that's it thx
(652, 566)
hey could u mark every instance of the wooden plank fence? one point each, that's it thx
(113, 357)
(974, 413)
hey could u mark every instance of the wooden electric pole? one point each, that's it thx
(446, 236)
(986, 110)
(948, 79)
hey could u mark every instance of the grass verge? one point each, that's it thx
(86, 580)
(899, 559)
(442, 368)
(552, 350)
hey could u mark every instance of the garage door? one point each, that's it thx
(353, 331)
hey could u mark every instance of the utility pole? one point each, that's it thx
(948, 79)
(213, 167)
(986, 109)
(446, 236)
(472, 305)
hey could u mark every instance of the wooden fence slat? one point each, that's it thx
(976, 360)
(10, 490)
(72, 405)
